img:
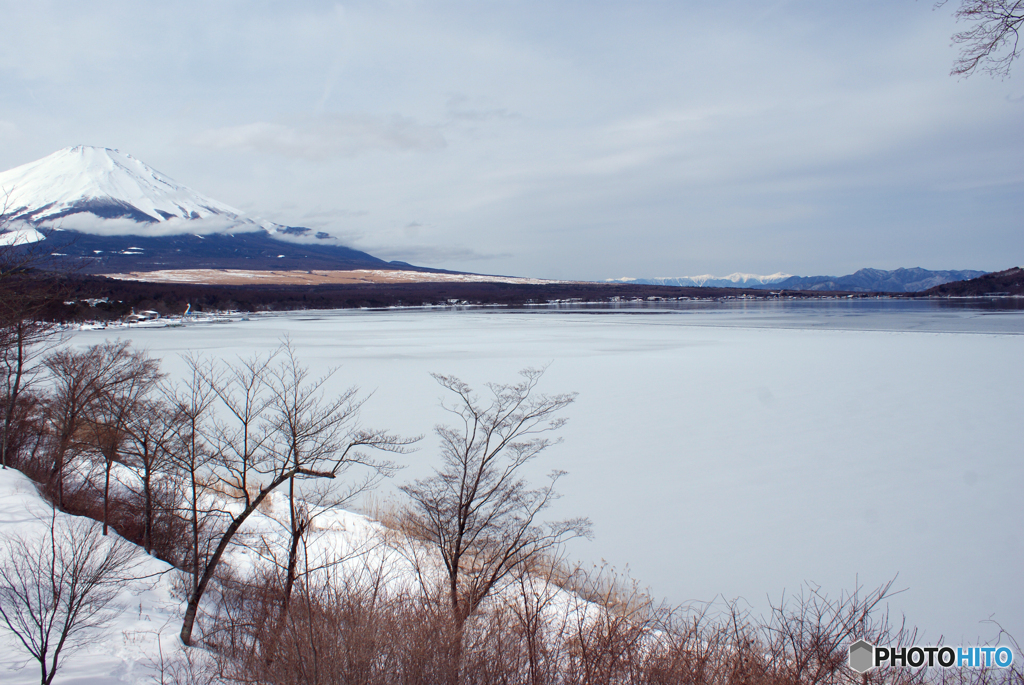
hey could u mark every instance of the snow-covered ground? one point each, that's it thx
(148, 617)
(722, 452)
(147, 613)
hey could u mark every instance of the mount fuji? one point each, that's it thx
(104, 211)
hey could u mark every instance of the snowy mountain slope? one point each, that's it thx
(108, 184)
(879, 280)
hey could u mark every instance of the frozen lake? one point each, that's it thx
(733, 450)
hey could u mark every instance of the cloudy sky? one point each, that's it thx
(552, 139)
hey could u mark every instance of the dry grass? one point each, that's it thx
(311, 277)
(353, 630)
(390, 513)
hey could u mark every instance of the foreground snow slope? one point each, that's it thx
(718, 454)
(149, 618)
(353, 547)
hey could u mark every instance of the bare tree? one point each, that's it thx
(122, 396)
(23, 335)
(253, 460)
(151, 432)
(58, 591)
(992, 43)
(307, 427)
(79, 380)
(476, 510)
(192, 400)
(22, 339)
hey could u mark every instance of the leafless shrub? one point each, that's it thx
(1014, 675)
(610, 636)
(344, 627)
(391, 513)
(186, 667)
(806, 637)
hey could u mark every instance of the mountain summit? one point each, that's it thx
(107, 212)
(106, 183)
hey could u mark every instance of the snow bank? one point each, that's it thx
(148, 622)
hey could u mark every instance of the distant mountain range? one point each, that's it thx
(103, 211)
(736, 280)
(863, 281)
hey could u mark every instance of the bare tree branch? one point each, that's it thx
(992, 43)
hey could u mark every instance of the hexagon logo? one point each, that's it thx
(862, 656)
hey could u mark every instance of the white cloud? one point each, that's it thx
(432, 255)
(326, 136)
(20, 235)
(89, 223)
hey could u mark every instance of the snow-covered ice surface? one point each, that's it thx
(734, 450)
(148, 614)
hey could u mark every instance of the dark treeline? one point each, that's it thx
(123, 296)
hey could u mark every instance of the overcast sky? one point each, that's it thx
(551, 139)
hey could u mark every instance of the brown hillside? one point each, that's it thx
(1009, 282)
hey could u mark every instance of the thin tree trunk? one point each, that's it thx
(147, 490)
(60, 482)
(289, 584)
(211, 566)
(12, 396)
(195, 532)
(225, 540)
(106, 495)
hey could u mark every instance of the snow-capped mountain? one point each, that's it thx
(105, 211)
(105, 183)
(736, 280)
